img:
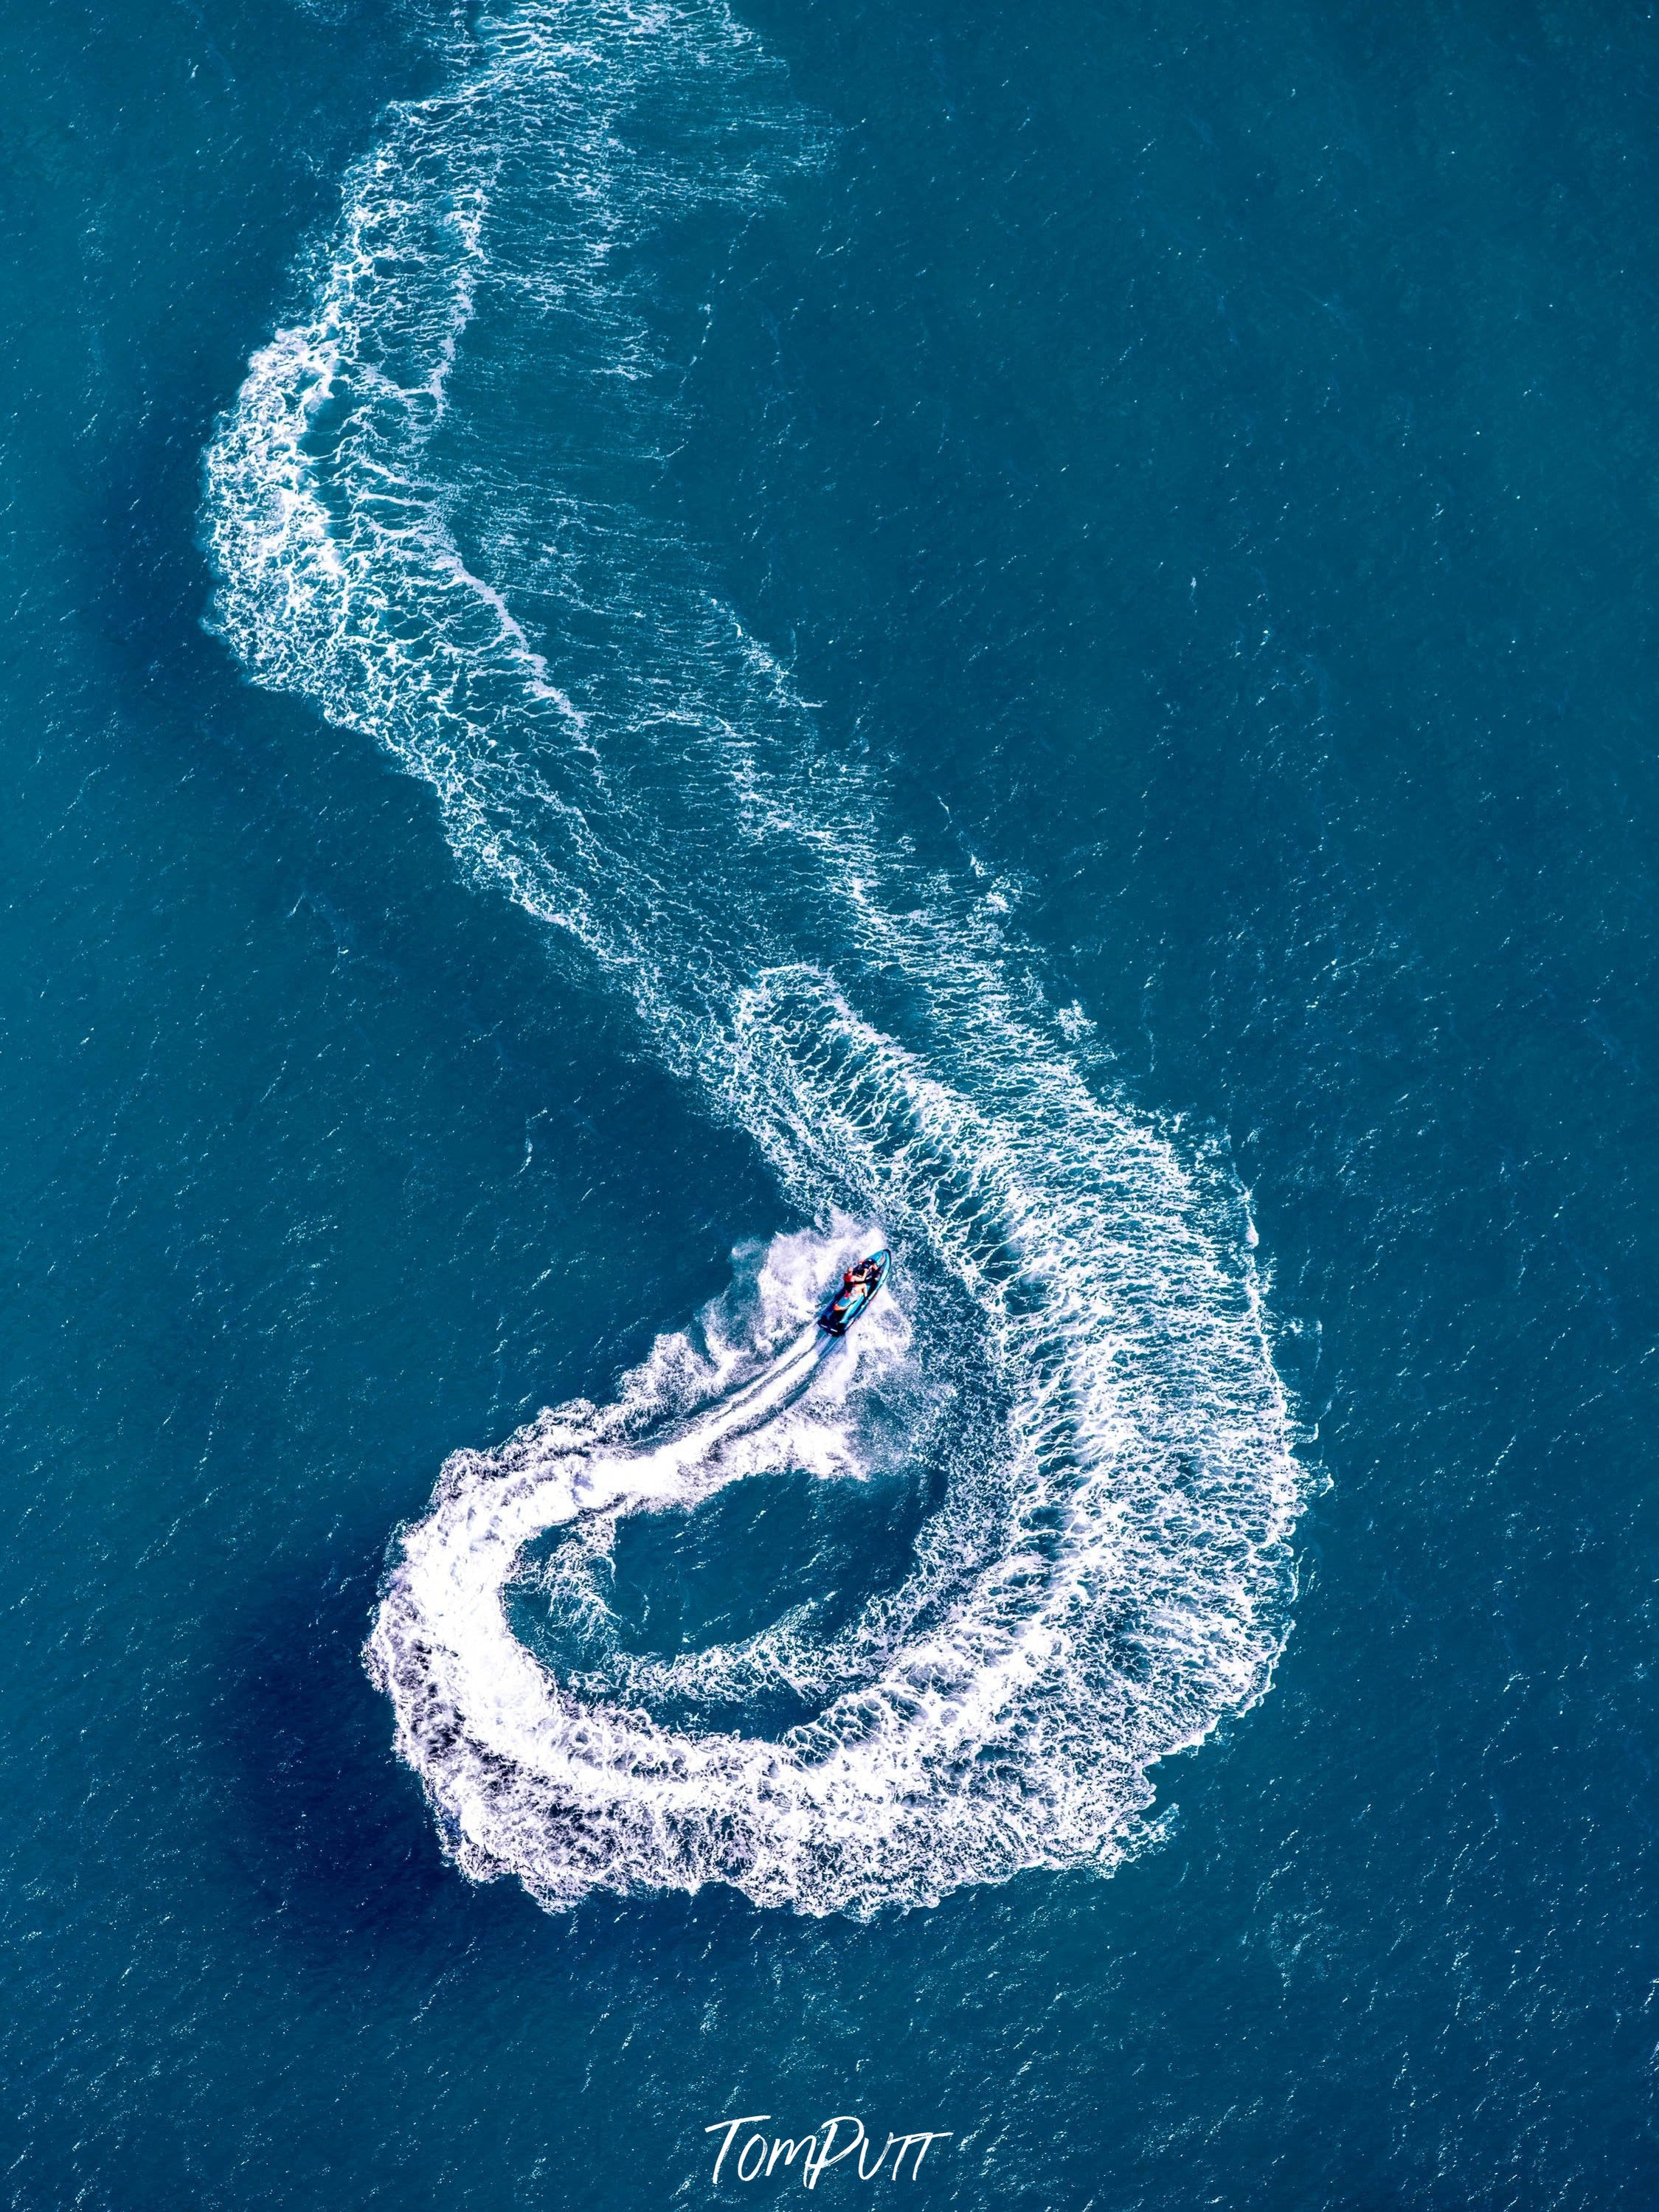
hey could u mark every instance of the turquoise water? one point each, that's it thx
(649, 647)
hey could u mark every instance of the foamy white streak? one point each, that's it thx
(1107, 1574)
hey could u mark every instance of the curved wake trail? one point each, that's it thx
(1082, 1362)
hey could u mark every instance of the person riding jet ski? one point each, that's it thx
(859, 1285)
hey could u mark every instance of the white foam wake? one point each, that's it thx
(1105, 1574)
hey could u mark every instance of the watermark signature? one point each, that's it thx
(839, 2137)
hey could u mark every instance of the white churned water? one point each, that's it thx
(480, 586)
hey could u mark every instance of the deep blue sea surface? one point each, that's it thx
(646, 648)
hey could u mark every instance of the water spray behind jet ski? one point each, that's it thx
(645, 1473)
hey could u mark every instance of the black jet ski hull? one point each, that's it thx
(844, 1309)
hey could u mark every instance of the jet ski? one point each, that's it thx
(854, 1294)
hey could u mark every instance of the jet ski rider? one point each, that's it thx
(859, 1285)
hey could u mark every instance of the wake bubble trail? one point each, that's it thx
(435, 511)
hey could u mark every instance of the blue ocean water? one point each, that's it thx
(649, 646)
